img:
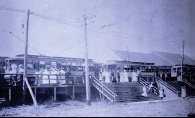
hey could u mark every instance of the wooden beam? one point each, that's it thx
(10, 94)
(73, 92)
(54, 93)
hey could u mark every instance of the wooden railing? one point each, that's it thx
(188, 83)
(39, 77)
(145, 83)
(104, 90)
(167, 85)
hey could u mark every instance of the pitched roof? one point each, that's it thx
(142, 57)
(175, 58)
(158, 58)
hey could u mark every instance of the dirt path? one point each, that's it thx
(177, 107)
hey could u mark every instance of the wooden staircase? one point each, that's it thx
(129, 92)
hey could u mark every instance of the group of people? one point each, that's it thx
(51, 75)
(151, 90)
(164, 75)
(116, 75)
(14, 73)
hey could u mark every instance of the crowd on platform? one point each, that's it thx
(51, 74)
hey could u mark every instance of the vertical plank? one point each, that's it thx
(10, 94)
(35, 93)
(55, 93)
(73, 92)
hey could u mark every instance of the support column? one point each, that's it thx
(54, 93)
(10, 94)
(73, 92)
(35, 93)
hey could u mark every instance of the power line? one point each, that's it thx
(12, 9)
(63, 51)
(24, 42)
(54, 19)
(93, 30)
(59, 21)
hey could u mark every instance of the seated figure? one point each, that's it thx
(144, 92)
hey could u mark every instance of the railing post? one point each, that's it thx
(102, 92)
(49, 78)
(57, 78)
(75, 79)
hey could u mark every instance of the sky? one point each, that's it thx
(56, 27)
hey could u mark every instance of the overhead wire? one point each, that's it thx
(24, 42)
(53, 19)
(12, 9)
(93, 30)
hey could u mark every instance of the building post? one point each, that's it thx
(25, 58)
(86, 66)
(182, 61)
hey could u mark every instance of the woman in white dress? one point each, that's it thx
(144, 92)
(134, 77)
(45, 77)
(53, 76)
(161, 93)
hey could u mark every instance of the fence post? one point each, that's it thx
(57, 78)
(49, 78)
(10, 94)
(102, 91)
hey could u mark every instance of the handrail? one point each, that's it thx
(57, 77)
(101, 90)
(188, 83)
(142, 81)
(167, 85)
(111, 93)
(104, 86)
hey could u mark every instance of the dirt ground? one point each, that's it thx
(175, 107)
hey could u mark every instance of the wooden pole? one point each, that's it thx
(35, 93)
(86, 66)
(73, 92)
(25, 58)
(182, 61)
(10, 94)
(54, 93)
(31, 93)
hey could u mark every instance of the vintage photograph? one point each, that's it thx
(97, 58)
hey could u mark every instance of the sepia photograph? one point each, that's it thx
(97, 58)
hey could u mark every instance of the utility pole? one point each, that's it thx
(25, 58)
(182, 60)
(88, 95)
(127, 54)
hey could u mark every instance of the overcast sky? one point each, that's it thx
(133, 25)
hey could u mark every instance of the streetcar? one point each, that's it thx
(37, 63)
(2, 64)
(187, 71)
(127, 70)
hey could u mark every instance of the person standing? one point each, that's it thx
(13, 73)
(117, 75)
(37, 75)
(161, 93)
(45, 76)
(166, 76)
(62, 76)
(53, 76)
(134, 76)
(20, 72)
(126, 79)
(68, 73)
